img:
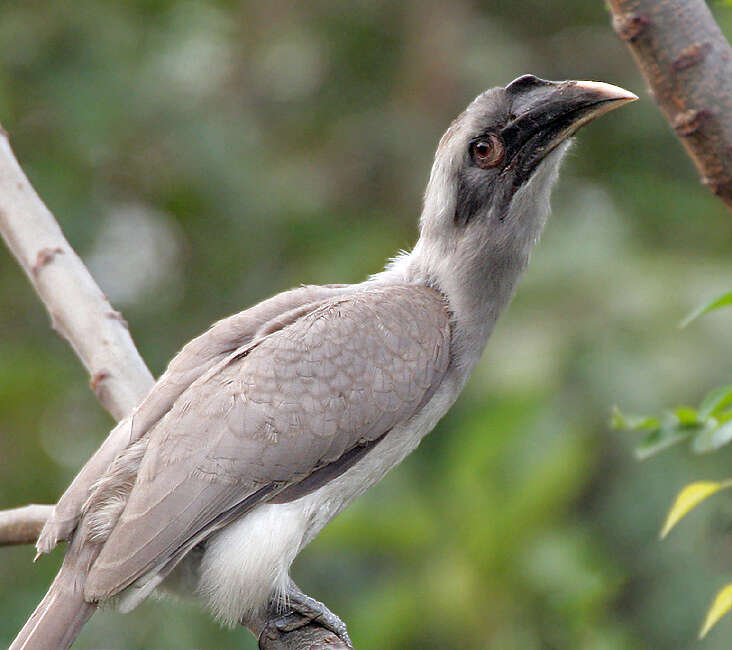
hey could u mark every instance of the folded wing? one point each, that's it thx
(271, 415)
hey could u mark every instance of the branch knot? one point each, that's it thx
(630, 26)
(689, 122)
(43, 257)
(691, 55)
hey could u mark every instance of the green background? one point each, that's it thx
(203, 156)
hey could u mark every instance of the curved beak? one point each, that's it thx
(546, 113)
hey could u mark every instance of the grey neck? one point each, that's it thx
(478, 279)
(477, 267)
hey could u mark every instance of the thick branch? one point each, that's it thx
(79, 310)
(81, 313)
(687, 63)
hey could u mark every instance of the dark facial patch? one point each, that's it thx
(475, 186)
(476, 183)
(530, 117)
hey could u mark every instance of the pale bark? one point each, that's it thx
(23, 525)
(79, 311)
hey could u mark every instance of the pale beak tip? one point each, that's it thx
(608, 91)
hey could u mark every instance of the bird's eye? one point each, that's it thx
(488, 151)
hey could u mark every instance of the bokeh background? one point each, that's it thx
(202, 156)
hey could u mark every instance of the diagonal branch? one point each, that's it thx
(687, 63)
(81, 313)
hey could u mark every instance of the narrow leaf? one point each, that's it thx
(721, 605)
(618, 420)
(721, 301)
(686, 415)
(660, 439)
(715, 400)
(689, 497)
(711, 438)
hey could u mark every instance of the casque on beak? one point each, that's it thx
(545, 113)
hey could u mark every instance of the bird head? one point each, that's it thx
(496, 164)
(487, 198)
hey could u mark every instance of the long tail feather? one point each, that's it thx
(59, 617)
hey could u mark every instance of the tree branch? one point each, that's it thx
(98, 334)
(79, 310)
(687, 63)
(22, 525)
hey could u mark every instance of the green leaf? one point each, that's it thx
(721, 605)
(715, 400)
(724, 300)
(712, 438)
(686, 415)
(660, 439)
(689, 497)
(618, 420)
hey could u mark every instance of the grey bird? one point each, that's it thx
(265, 427)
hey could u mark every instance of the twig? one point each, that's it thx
(22, 525)
(98, 334)
(687, 63)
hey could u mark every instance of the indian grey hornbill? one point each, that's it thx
(265, 427)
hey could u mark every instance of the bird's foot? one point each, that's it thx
(303, 610)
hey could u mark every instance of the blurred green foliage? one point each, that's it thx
(204, 155)
(709, 428)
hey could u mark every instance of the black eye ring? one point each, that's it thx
(488, 151)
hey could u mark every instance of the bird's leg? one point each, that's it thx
(296, 609)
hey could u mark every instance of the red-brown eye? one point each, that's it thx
(488, 151)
